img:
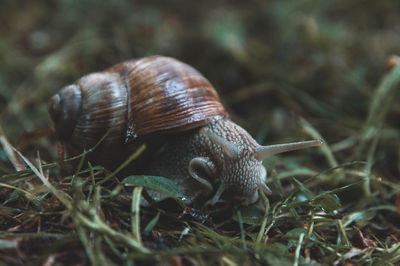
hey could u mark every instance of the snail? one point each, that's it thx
(175, 110)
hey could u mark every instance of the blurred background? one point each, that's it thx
(274, 63)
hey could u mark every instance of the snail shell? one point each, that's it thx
(131, 101)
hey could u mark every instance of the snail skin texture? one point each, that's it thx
(172, 108)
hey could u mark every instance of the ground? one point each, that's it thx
(285, 70)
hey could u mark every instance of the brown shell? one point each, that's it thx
(134, 99)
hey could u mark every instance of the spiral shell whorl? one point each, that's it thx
(65, 109)
(104, 98)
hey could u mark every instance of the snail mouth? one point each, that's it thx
(64, 109)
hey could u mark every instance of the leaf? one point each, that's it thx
(157, 183)
(327, 202)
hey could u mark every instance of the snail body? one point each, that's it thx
(172, 108)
